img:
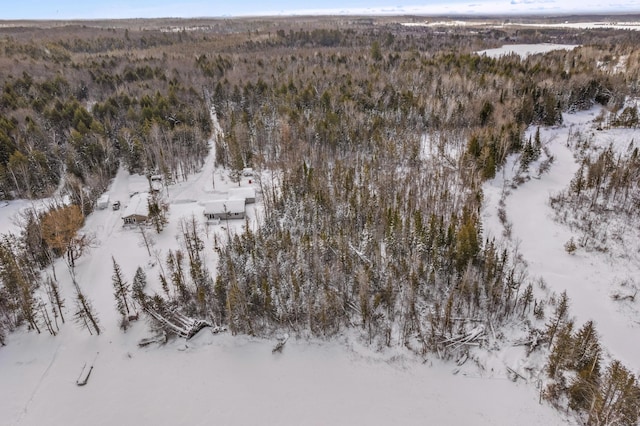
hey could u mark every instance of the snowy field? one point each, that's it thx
(453, 23)
(525, 50)
(630, 25)
(238, 381)
(635, 26)
(10, 212)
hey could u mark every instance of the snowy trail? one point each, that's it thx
(586, 276)
(200, 186)
(39, 384)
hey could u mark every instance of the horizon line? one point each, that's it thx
(346, 13)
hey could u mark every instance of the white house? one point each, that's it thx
(137, 211)
(247, 193)
(225, 209)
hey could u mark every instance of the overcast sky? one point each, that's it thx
(95, 9)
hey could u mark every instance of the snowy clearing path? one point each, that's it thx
(200, 186)
(587, 277)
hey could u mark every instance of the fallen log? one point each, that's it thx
(281, 342)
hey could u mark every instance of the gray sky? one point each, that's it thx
(95, 9)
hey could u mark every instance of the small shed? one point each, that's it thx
(246, 193)
(103, 202)
(137, 211)
(224, 209)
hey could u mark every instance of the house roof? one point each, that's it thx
(245, 192)
(138, 205)
(235, 205)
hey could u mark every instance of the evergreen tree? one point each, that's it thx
(560, 357)
(121, 290)
(537, 144)
(586, 362)
(527, 155)
(559, 317)
(578, 182)
(175, 267)
(84, 315)
(618, 402)
(164, 284)
(52, 326)
(467, 241)
(53, 291)
(531, 151)
(157, 212)
(19, 283)
(586, 349)
(138, 285)
(570, 246)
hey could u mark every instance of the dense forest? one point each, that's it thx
(371, 140)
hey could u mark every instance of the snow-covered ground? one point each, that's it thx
(630, 25)
(589, 278)
(525, 50)
(11, 211)
(453, 23)
(224, 379)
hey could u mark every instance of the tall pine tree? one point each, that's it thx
(559, 317)
(139, 283)
(121, 290)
